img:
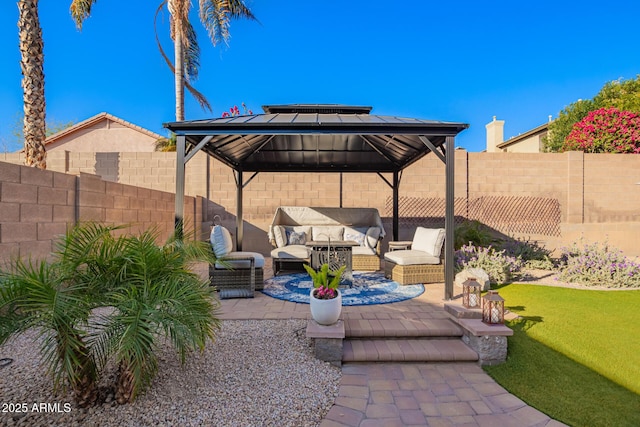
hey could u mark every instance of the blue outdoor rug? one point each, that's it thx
(368, 288)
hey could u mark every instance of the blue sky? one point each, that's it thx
(462, 61)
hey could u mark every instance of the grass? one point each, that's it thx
(575, 354)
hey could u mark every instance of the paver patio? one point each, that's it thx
(404, 394)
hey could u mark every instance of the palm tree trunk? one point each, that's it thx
(179, 78)
(125, 385)
(32, 64)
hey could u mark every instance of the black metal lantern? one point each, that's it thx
(493, 308)
(471, 293)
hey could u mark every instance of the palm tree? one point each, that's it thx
(32, 65)
(215, 15)
(105, 297)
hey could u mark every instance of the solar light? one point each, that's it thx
(471, 293)
(493, 308)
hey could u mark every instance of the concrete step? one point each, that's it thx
(407, 350)
(401, 328)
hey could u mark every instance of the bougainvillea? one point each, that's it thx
(606, 130)
(235, 111)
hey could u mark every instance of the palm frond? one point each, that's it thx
(80, 10)
(215, 15)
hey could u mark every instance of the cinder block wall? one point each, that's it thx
(36, 207)
(551, 198)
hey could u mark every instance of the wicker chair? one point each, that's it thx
(236, 274)
(421, 262)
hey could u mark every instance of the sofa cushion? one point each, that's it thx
(373, 234)
(279, 235)
(362, 250)
(221, 241)
(230, 263)
(327, 232)
(428, 240)
(288, 229)
(411, 257)
(291, 252)
(355, 234)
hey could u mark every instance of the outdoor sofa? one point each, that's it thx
(293, 226)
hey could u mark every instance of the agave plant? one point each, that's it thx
(149, 292)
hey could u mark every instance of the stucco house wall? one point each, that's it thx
(103, 133)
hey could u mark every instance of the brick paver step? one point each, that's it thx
(401, 328)
(407, 350)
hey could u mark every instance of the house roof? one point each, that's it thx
(543, 128)
(317, 138)
(96, 119)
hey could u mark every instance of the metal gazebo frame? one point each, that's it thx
(320, 138)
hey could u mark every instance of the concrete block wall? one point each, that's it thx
(37, 207)
(541, 196)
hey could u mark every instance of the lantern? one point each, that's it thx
(471, 293)
(493, 308)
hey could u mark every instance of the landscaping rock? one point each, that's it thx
(479, 274)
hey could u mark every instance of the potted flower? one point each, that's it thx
(325, 299)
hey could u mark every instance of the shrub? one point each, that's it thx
(472, 233)
(500, 267)
(598, 265)
(606, 130)
(530, 253)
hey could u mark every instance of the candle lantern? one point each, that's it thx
(493, 308)
(471, 293)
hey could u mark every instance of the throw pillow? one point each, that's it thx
(297, 238)
(373, 234)
(221, 241)
(428, 240)
(356, 234)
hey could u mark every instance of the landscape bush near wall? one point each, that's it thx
(553, 198)
(36, 207)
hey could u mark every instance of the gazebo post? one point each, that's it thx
(239, 221)
(449, 220)
(180, 172)
(396, 199)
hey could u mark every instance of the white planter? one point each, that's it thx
(325, 311)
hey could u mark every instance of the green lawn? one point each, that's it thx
(575, 354)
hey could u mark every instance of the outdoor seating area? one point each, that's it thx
(294, 228)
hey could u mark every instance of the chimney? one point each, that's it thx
(495, 134)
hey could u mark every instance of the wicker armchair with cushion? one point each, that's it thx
(236, 274)
(422, 263)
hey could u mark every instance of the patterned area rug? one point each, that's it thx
(368, 288)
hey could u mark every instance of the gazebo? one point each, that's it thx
(320, 138)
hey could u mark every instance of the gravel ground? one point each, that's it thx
(257, 373)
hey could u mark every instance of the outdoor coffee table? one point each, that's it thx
(335, 253)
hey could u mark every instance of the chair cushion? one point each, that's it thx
(355, 234)
(428, 240)
(230, 263)
(328, 232)
(291, 252)
(221, 241)
(411, 257)
(362, 250)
